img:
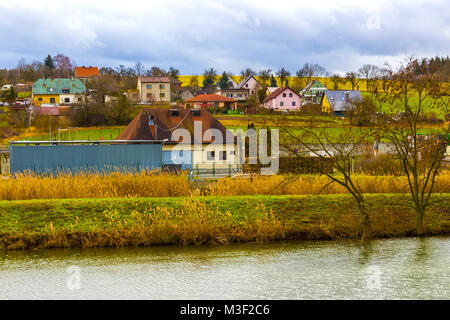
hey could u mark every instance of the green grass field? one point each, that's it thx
(150, 221)
(94, 133)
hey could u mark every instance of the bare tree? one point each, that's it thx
(283, 74)
(368, 72)
(139, 69)
(264, 76)
(316, 140)
(247, 73)
(337, 80)
(352, 77)
(421, 155)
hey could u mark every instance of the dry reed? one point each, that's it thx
(127, 185)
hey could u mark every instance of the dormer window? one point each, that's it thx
(195, 112)
(151, 121)
(174, 113)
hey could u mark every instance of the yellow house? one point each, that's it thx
(57, 90)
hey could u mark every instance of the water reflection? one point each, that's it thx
(392, 268)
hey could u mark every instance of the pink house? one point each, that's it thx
(283, 99)
(251, 84)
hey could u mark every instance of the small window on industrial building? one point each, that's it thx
(211, 155)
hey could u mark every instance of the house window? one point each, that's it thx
(161, 86)
(239, 95)
(195, 113)
(290, 95)
(246, 85)
(230, 95)
(222, 155)
(66, 99)
(79, 99)
(293, 103)
(52, 100)
(174, 113)
(149, 95)
(232, 153)
(162, 95)
(149, 86)
(40, 99)
(180, 153)
(281, 104)
(211, 155)
(65, 90)
(284, 95)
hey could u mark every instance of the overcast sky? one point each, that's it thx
(230, 35)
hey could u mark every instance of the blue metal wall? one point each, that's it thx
(91, 158)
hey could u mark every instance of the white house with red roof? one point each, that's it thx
(283, 99)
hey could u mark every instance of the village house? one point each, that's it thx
(133, 96)
(183, 152)
(58, 91)
(212, 101)
(186, 95)
(251, 84)
(338, 102)
(86, 73)
(283, 99)
(239, 94)
(313, 92)
(158, 89)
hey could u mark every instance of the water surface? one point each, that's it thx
(407, 268)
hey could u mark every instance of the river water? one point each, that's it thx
(406, 268)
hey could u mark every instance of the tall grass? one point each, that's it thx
(127, 185)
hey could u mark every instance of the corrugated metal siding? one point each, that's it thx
(92, 158)
(175, 157)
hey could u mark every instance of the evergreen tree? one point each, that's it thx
(273, 82)
(48, 62)
(224, 81)
(286, 83)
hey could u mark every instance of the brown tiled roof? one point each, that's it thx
(159, 79)
(86, 72)
(277, 92)
(210, 98)
(139, 128)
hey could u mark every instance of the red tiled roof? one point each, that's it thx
(277, 92)
(210, 98)
(84, 72)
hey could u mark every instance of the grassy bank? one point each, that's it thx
(198, 220)
(122, 185)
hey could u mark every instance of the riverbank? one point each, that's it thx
(28, 224)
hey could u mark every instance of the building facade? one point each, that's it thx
(58, 91)
(283, 99)
(158, 89)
